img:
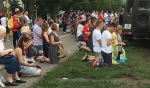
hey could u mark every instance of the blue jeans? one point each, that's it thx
(81, 37)
(19, 34)
(39, 47)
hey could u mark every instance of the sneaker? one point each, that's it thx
(95, 64)
(85, 57)
(79, 46)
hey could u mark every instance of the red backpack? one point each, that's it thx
(17, 23)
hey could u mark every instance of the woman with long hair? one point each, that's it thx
(45, 34)
(118, 53)
(27, 69)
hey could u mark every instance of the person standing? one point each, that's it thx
(15, 30)
(23, 20)
(4, 21)
(121, 18)
(28, 20)
(38, 42)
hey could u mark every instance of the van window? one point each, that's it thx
(130, 5)
(144, 5)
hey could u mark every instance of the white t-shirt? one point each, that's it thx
(105, 15)
(106, 35)
(49, 30)
(27, 18)
(93, 15)
(79, 29)
(4, 21)
(1, 46)
(95, 37)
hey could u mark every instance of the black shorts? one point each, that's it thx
(7, 30)
(90, 45)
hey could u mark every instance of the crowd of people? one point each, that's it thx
(39, 44)
(96, 32)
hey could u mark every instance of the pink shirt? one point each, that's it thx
(83, 18)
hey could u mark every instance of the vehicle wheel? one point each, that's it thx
(141, 20)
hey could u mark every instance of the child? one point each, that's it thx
(106, 46)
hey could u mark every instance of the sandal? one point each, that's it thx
(43, 60)
(11, 84)
(19, 81)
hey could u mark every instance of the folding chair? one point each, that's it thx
(2, 80)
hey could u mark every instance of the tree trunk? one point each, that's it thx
(30, 9)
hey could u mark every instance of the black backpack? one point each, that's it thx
(32, 51)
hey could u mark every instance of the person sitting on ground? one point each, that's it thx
(118, 53)
(107, 41)
(27, 69)
(96, 39)
(11, 64)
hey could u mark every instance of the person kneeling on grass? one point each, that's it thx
(27, 69)
(107, 41)
(86, 45)
(118, 53)
(96, 38)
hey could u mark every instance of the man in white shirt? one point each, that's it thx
(93, 14)
(96, 37)
(106, 46)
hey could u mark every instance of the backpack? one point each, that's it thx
(32, 51)
(16, 22)
(10, 23)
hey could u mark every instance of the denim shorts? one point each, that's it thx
(39, 47)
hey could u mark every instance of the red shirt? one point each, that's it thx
(86, 29)
(101, 17)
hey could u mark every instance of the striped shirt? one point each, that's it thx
(36, 31)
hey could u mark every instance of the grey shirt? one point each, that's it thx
(24, 21)
(119, 41)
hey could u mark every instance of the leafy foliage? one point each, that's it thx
(53, 6)
(14, 4)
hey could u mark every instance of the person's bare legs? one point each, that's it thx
(27, 75)
(83, 43)
(91, 58)
(16, 76)
(7, 37)
(86, 48)
(9, 78)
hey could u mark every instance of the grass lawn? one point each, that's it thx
(134, 74)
